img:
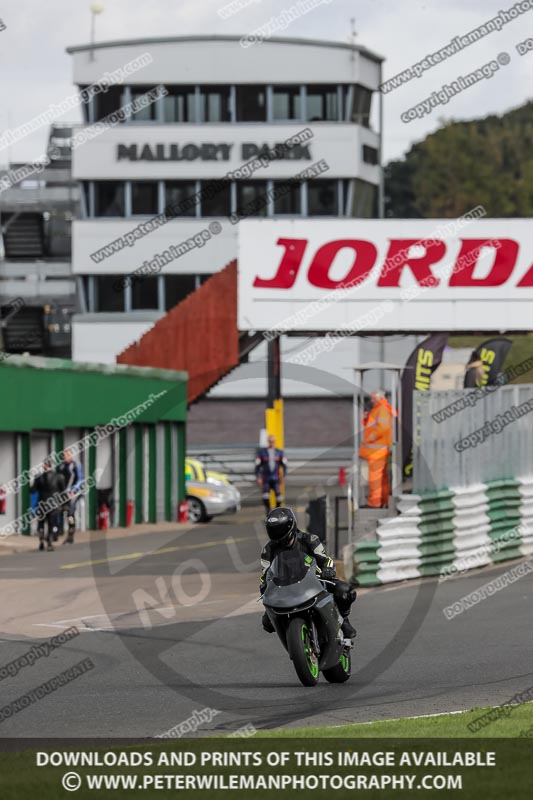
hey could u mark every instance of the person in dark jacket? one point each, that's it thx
(270, 466)
(283, 534)
(72, 474)
(49, 487)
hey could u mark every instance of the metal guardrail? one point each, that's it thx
(36, 270)
(17, 198)
(306, 466)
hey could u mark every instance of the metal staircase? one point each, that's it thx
(23, 235)
(24, 331)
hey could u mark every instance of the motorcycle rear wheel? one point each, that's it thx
(341, 671)
(301, 652)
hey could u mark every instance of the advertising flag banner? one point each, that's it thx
(486, 363)
(419, 368)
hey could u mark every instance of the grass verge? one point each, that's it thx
(517, 721)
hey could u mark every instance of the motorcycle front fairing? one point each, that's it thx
(291, 595)
(294, 589)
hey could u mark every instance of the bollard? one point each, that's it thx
(130, 506)
(183, 511)
(103, 518)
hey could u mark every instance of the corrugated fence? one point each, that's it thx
(471, 436)
(473, 478)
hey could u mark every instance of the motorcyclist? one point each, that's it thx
(283, 533)
(270, 466)
(73, 477)
(48, 485)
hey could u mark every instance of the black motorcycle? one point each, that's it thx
(306, 619)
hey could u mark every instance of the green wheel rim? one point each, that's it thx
(345, 662)
(312, 661)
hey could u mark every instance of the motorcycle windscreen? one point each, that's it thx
(291, 580)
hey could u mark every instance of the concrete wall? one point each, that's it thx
(311, 422)
(215, 60)
(339, 144)
(99, 341)
(89, 235)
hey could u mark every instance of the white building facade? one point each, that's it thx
(286, 108)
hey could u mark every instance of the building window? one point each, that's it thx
(370, 154)
(252, 199)
(251, 103)
(147, 114)
(347, 188)
(109, 199)
(177, 287)
(287, 198)
(215, 104)
(106, 103)
(144, 294)
(361, 103)
(322, 198)
(364, 203)
(216, 198)
(86, 202)
(108, 293)
(286, 103)
(322, 104)
(85, 104)
(144, 197)
(179, 105)
(177, 193)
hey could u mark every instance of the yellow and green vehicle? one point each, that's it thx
(209, 492)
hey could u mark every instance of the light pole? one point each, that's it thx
(96, 8)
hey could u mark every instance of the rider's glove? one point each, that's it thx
(262, 588)
(328, 574)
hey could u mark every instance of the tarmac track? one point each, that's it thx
(154, 666)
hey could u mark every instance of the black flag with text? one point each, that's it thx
(486, 363)
(419, 368)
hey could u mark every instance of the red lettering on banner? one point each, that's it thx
(289, 265)
(506, 254)
(397, 259)
(364, 259)
(527, 280)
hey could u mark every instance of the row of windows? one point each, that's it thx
(150, 292)
(245, 103)
(321, 197)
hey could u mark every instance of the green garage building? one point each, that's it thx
(126, 426)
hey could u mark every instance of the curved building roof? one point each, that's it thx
(224, 38)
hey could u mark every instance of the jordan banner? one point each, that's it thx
(486, 363)
(419, 368)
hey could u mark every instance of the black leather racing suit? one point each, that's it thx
(311, 545)
(49, 485)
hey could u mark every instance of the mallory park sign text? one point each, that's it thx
(211, 152)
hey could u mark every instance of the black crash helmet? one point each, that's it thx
(280, 525)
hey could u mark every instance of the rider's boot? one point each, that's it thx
(348, 629)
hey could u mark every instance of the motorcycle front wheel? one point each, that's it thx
(341, 671)
(301, 652)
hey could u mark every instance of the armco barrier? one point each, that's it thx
(442, 533)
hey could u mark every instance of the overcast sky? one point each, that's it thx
(36, 71)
